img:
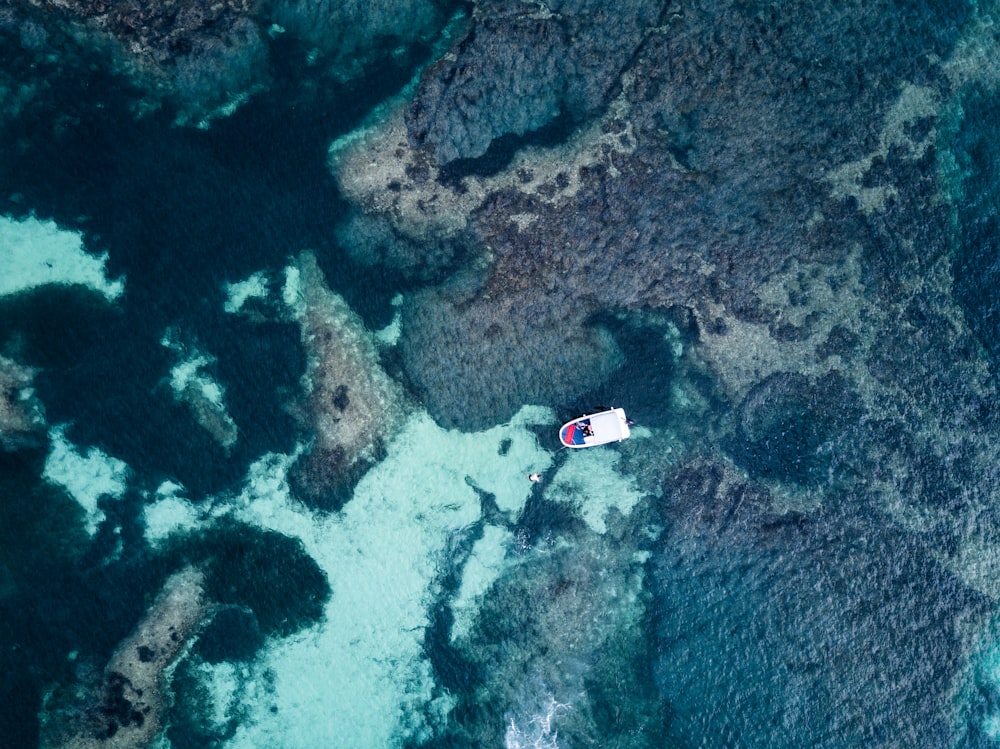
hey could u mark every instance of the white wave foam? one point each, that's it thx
(35, 253)
(535, 731)
(87, 477)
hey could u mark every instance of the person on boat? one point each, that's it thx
(587, 429)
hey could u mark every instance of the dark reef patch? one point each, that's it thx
(66, 603)
(453, 671)
(788, 426)
(517, 71)
(653, 345)
(41, 533)
(266, 572)
(840, 342)
(976, 261)
(324, 478)
(197, 58)
(474, 367)
(503, 150)
(233, 634)
(785, 630)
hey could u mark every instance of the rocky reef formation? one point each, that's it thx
(126, 707)
(803, 184)
(522, 66)
(199, 56)
(352, 404)
(203, 395)
(347, 33)
(557, 655)
(834, 631)
(780, 184)
(457, 334)
(702, 163)
(22, 420)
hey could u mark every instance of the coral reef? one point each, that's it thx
(348, 31)
(200, 54)
(558, 649)
(507, 351)
(522, 65)
(806, 183)
(203, 395)
(977, 176)
(372, 240)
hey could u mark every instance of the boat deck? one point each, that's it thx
(596, 429)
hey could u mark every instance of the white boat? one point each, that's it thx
(600, 428)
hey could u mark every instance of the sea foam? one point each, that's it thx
(535, 731)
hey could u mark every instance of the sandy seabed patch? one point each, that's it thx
(35, 253)
(86, 476)
(360, 678)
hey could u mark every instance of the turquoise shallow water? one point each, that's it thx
(779, 556)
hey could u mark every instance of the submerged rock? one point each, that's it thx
(520, 66)
(204, 396)
(558, 650)
(126, 709)
(233, 634)
(352, 405)
(200, 57)
(789, 426)
(201, 54)
(22, 420)
(349, 31)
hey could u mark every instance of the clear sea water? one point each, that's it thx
(449, 601)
